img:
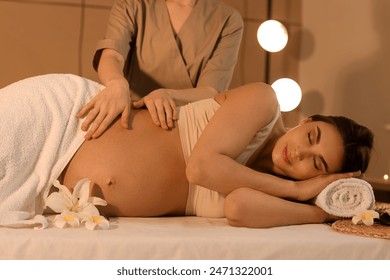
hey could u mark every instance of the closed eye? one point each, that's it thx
(317, 135)
(321, 158)
(316, 166)
(309, 138)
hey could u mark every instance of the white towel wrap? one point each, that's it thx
(39, 133)
(346, 197)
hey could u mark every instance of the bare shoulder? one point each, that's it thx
(253, 92)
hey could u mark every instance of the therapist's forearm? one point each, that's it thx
(111, 67)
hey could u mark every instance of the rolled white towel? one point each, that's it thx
(346, 197)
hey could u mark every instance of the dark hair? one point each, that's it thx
(358, 142)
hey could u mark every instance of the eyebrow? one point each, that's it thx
(321, 157)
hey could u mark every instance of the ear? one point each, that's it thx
(305, 120)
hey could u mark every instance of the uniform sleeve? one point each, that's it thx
(219, 69)
(120, 30)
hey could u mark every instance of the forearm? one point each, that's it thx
(222, 174)
(250, 208)
(185, 96)
(111, 68)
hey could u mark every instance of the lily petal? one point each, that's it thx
(62, 189)
(81, 190)
(59, 221)
(356, 220)
(74, 222)
(90, 225)
(88, 209)
(91, 222)
(104, 224)
(58, 202)
(97, 201)
(368, 222)
(67, 218)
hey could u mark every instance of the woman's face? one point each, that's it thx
(310, 149)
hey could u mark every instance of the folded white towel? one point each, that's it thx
(346, 197)
(39, 133)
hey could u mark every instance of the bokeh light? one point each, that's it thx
(272, 35)
(288, 92)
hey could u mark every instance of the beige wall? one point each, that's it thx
(59, 36)
(251, 64)
(345, 66)
(51, 36)
(337, 51)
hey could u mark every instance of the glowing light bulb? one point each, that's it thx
(288, 93)
(272, 35)
(386, 177)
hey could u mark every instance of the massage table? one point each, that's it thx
(184, 238)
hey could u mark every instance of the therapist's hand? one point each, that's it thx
(102, 110)
(161, 106)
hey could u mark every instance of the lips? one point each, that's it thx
(285, 155)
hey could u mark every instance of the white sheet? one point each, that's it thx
(188, 238)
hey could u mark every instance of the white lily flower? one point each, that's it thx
(77, 206)
(67, 218)
(91, 222)
(367, 217)
(78, 202)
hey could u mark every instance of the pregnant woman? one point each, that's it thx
(227, 156)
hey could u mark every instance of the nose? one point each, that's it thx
(302, 152)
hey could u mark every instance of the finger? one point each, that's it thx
(86, 108)
(346, 175)
(90, 132)
(357, 174)
(103, 126)
(89, 119)
(161, 115)
(350, 174)
(125, 117)
(96, 123)
(153, 112)
(168, 115)
(174, 112)
(139, 104)
(88, 135)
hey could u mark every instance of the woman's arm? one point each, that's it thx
(250, 208)
(162, 102)
(242, 114)
(110, 102)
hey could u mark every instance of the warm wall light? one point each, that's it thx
(272, 35)
(288, 93)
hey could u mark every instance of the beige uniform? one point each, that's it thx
(203, 53)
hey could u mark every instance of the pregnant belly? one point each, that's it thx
(139, 172)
